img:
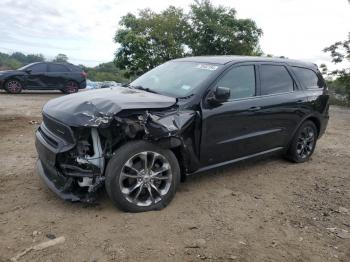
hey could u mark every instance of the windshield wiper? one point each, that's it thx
(144, 89)
(185, 97)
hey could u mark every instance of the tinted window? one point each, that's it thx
(75, 68)
(307, 77)
(58, 68)
(240, 80)
(275, 79)
(38, 68)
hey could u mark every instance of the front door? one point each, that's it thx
(37, 78)
(231, 130)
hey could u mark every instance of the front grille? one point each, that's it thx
(48, 139)
(58, 129)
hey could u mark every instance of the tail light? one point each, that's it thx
(84, 74)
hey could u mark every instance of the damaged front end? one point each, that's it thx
(73, 159)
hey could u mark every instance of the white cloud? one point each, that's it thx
(84, 29)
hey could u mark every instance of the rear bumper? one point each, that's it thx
(323, 126)
(82, 84)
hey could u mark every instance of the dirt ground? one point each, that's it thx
(266, 210)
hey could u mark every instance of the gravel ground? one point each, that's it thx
(266, 210)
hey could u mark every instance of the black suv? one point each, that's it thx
(184, 117)
(44, 76)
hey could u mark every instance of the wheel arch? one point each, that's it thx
(184, 153)
(180, 159)
(311, 118)
(71, 80)
(14, 78)
(9, 78)
(316, 121)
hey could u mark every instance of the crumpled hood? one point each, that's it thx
(93, 108)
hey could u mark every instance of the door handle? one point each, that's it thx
(254, 108)
(300, 101)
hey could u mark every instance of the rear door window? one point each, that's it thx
(275, 79)
(38, 68)
(75, 68)
(308, 78)
(240, 80)
(58, 68)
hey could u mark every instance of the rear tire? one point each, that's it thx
(13, 86)
(142, 177)
(303, 143)
(70, 88)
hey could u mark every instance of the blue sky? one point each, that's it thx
(84, 29)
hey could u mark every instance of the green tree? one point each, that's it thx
(8, 62)
(19, 57)
(3, 58)
(217, 31)
(27, 59)
(31, 58)
(60, 58)
(150, 38)
(105, 72)
(340, 51)
(13, 63)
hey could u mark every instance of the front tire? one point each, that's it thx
(303, 143)
(13, 86)
(142, 177)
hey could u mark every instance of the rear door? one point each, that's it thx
(37, 78)
(279, 105)
(58, 75)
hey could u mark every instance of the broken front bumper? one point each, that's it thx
(48, 145)
(55, 182)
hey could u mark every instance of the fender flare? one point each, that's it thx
(15, 78)
(314, 118)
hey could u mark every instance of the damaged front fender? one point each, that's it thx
(103, 120)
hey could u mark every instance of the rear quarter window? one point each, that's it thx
(58, 68)
(275, 79)
(75, 68)
(308, 78)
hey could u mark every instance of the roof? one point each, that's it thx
(232, 58)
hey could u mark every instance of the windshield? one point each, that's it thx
(25, 67)
(177, 79)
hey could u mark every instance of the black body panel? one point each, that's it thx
(203, 134)
(43, 78)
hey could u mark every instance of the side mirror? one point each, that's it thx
(28, 71)
(220, 95)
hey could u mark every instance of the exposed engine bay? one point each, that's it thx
(83, 165)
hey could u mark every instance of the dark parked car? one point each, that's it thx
(44, 76)
(184, 117)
